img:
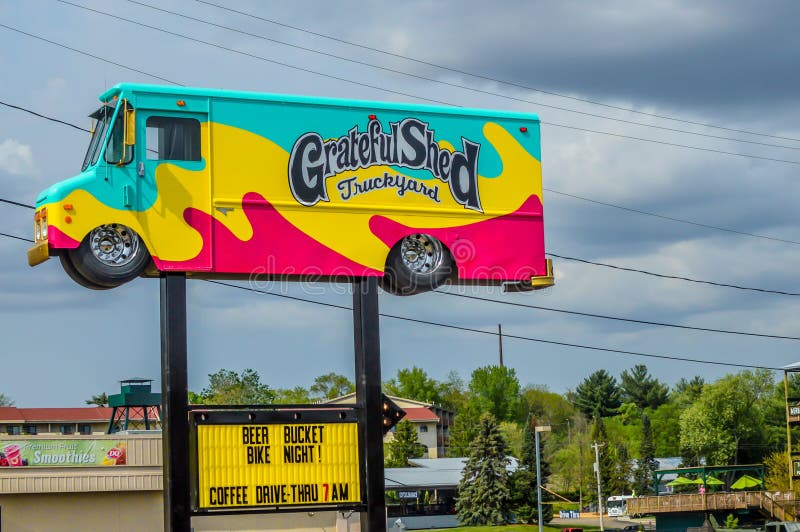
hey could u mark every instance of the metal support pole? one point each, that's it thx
(368, 398)
(538, 486)
(788, 429)
(599, 491)
(174, 395)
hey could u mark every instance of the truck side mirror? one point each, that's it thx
(130, 125)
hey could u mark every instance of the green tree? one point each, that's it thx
(227, 387)
(728, 413)
(454, 394)
(646, 464)
(541, 403)
(5, 400)
(100, 399)
(195, 398)
(689, 390)
(331, 385)
(524, 493)
(777, 472)
(513, 435)
(484, 489)
(666, 423)
(572, 461)
(463, 431)
(598, 395)
(642, 389)
(495, 390)
(622, 470)
(404, 445)
(415, 384)
(599, 435)
(297, 395)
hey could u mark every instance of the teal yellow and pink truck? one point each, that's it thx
(229, 184)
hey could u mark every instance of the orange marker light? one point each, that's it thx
(523, 129)
(36, 217)
(372, 117)
(68, 206)
(181, 103)
(68, 219)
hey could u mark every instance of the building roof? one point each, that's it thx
(420, 414)
(429, 473)
(13, 414)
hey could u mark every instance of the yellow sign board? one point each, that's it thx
(274, 465)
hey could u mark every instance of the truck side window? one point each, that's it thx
(173, 139)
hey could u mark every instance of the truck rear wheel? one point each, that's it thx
(109, 256)
(417, 263)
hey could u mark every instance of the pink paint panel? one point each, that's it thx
(56, 239)
(276, 247)
(506, 248)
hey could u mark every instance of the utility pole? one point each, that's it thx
(599, 491)
(500, 342)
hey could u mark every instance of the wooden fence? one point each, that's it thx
(781, 506)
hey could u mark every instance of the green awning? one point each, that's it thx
(744, 482)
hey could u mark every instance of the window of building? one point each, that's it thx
(66, 429)
(173, 139)
(423, 428)
(85, 429)
(29, 429)
(13, 430)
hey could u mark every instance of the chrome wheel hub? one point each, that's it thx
(421, 253)
(114, 244)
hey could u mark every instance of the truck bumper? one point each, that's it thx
(536, 283)
(38, 253)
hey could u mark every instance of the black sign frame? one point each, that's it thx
(265, 415)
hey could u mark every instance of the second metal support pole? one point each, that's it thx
(369, 400)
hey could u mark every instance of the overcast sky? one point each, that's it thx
(730, 64)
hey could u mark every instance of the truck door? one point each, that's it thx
(176, 179)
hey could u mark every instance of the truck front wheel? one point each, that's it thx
(110, 255)
(418, 263)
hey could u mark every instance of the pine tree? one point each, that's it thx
(598, 395)
(646, 464)
(484, 490)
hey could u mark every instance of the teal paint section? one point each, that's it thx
(283, 119)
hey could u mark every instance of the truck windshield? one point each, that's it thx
(103, 116)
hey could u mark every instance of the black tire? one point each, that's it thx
(66, 263)
(110, 255)
(417, 263)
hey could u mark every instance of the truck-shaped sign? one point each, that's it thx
(229, 184)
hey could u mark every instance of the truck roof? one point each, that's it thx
(312, 100)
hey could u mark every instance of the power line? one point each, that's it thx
(664, 276)
(247, 54)
(16, 237)
(629, 269)
(621, 207)
(432, 100)
(103, 59)
(562, 311)
(18, 204)
(43, 116)
(616, 318)
(505, 335)
(478, 331)
(447, 83)
(670, 218)
(489, 78)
